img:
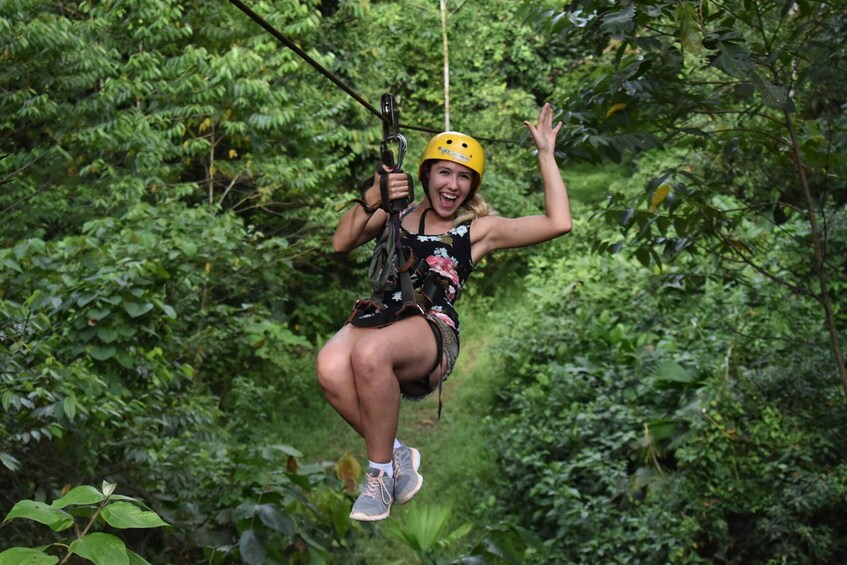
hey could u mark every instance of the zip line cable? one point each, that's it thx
(335, 80)
(305, 56)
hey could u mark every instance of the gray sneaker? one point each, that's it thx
(407, 480)
(377, 495)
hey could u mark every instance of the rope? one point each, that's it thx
(335, 80)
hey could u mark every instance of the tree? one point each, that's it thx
(746, 98)
(158, 179)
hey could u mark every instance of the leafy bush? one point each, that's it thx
(98, 507)
(135, 349)
(647, 423)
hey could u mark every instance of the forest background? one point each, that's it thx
(664, 385)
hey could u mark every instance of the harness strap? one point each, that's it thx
(439, 357)
(379, 271)
(385, 204)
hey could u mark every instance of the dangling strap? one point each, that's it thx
(439, 356)
(440, 404)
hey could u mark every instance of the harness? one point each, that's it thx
(392, 262)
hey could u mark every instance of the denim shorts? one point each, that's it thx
(448, 342)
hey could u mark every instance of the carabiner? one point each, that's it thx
(391, 132)
(401, 150)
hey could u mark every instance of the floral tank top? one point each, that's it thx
(448, 256)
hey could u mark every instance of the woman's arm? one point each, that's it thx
(357, 226)
(490, 233)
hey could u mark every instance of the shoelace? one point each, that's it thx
(375, 484)
(397, 466)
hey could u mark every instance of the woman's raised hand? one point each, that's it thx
(543, 133)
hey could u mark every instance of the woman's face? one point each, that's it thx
(449, 186)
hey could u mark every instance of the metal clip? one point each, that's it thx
(391, 133)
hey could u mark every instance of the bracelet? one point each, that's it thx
(368, 210)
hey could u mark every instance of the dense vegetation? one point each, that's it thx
(666, 384)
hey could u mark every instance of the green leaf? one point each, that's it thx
(26, 556)
(774, 96)
(42, 513)
(83, 494)
(85, 299)
(136, 310)
(312, 542)
(12, 264)
(616, 21)
(735, 61)
(102, 549)
(69, 408)
(135, 559)
(99, 313)
(124, 359)
(9, 461)
(689, 29)
(102, 352)
(108, 488)
(187, 247)
(107, 335)
(643, 256)
(253, 551)
(456, 535)
(424, 527)
(626, 217)
(275, 519)
(127, 515)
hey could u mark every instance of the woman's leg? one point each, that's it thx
(362, 371)
(335, 375)
(405, 350)
(382, 361)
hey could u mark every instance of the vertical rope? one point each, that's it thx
(446, 66)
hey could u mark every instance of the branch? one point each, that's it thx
(728, 242)
(766, 135)
(228, 188)
(23, 199)
(787, 341)
(651, 450)
(823, 298)
(16, 172)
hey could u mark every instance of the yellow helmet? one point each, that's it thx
(458, 148)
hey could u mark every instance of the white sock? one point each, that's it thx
(388, 468)
(397, 443)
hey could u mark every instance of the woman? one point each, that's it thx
(379, 356)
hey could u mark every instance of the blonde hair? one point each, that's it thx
(474, 207)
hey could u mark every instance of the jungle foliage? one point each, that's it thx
(674, 389)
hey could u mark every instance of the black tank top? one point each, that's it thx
(449, 256)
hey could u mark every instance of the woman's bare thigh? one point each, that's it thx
(408, 346)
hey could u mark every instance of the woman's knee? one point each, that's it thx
(332, 367)
(369, 358)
